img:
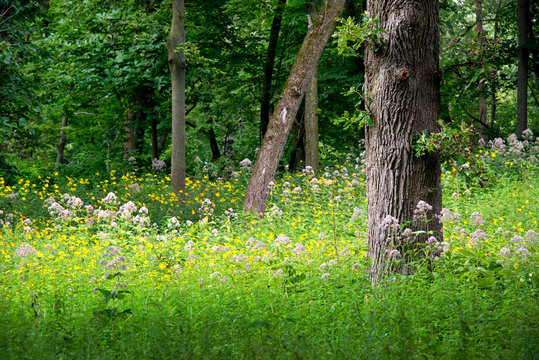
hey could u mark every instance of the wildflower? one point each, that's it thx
(110, 199)
(393, 254)
(281, 239)
(24, 250)
(259, 245)
(159, 165)
(126, 210)
(390, 223)
(324, 276)
(498, 143)
(477, 219)
(477, 236)
(408, 232)
(523, 252)
(357, 212)
(189, 245)
(132, 160)
(298, 249)
(432, 240)
(517, 239)
(531, 236)
(134, 188)
(527, 134)
(445, 246)
(74, 202)
(278, 272)
(505, 252)
(245, 163)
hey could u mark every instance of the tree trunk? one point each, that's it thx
(268, 68)
(482, 116)
(176, 62)
(522, 85)
(62, 142)
(155, 144)
(311, 112)
(285, 111)
(494, 80)
(215, 152)
(131, 126)
(403, 81)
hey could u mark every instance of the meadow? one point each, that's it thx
(117, 267)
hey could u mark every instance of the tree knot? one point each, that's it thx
(404, 73)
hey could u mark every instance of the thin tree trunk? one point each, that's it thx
(177, 66)
(155, 144)
(285, 111)
(162, 139)
(131, 125)
(62, 142)
(533, 48)
(404, 84)
(268, 68)
(215, 152)
(479, 28)
(311, 111)
(494, 80)
(522, 85)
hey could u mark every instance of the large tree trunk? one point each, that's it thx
(62, 142)
(268, 68)
(176, 62)
(285, 111)
(404, 84)
(479, 28)
(311, 111)
(522, 85)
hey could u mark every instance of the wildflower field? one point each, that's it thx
(118, 267)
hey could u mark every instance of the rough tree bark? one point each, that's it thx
(268, 67)
(177, 66)
(403, 82)
(311, 109)
(288, 105)
(522, 84)
(62, 142)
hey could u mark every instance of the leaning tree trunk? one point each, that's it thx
(176, 63)
(285, 111)
(311, 112)
(404, 84)
(62, 142)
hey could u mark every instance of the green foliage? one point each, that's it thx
(364, 32)
(210, 281)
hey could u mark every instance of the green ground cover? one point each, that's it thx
(115, 267)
